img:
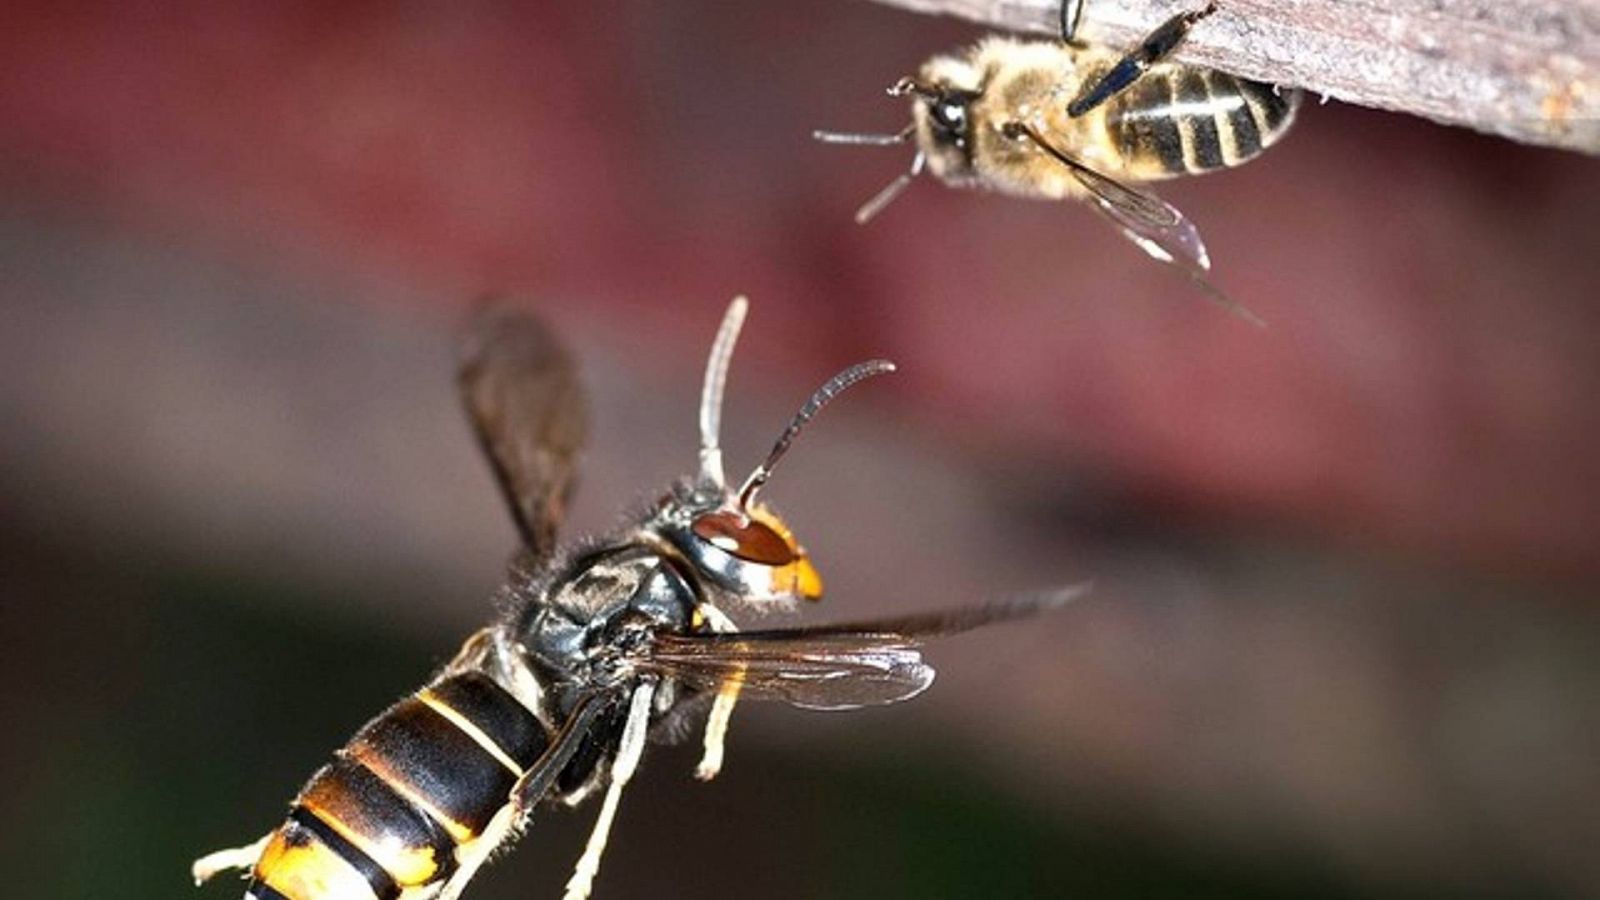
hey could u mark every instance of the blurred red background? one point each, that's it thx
(236, 237)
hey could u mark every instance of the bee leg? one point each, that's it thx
(244, 857)
(721, 708)
(891, 190)
(1071, 15)
(1155, 47)
(622, 768)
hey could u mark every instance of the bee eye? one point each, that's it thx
(747, 539)
(950, 116)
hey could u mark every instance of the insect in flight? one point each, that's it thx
(602, 643)
(1059, 119)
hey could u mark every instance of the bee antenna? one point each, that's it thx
(892, 190)
(835, 386)
(711, 392)
(909, 85)
(865, 139)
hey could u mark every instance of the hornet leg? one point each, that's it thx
(721, 708)
(526, 793)
(629, 750)
(235, 858)
(467, 864)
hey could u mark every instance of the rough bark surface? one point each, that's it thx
(1528, 70)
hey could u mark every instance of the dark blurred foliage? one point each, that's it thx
(1343, 640)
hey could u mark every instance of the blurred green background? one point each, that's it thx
(160, 731)
(215, 718)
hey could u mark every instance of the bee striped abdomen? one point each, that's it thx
(1185, 120)
(414, 785)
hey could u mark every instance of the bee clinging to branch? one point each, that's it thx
(1066, 119)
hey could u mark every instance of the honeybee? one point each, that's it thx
(602, 643)
(1066, 119)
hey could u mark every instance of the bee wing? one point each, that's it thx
(843, 666)
(1154, 225)
(1150, 222)
(522, 394)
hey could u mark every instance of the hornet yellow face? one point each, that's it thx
(757, 551)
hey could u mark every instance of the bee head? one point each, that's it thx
(740, 545)
(943, 96)
(942, 124)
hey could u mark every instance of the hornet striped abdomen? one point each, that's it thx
(1184, 120)
(418, 785)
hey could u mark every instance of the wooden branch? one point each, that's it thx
(1528, 70)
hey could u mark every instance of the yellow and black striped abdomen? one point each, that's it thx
(413, 786)
(1185, 120)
